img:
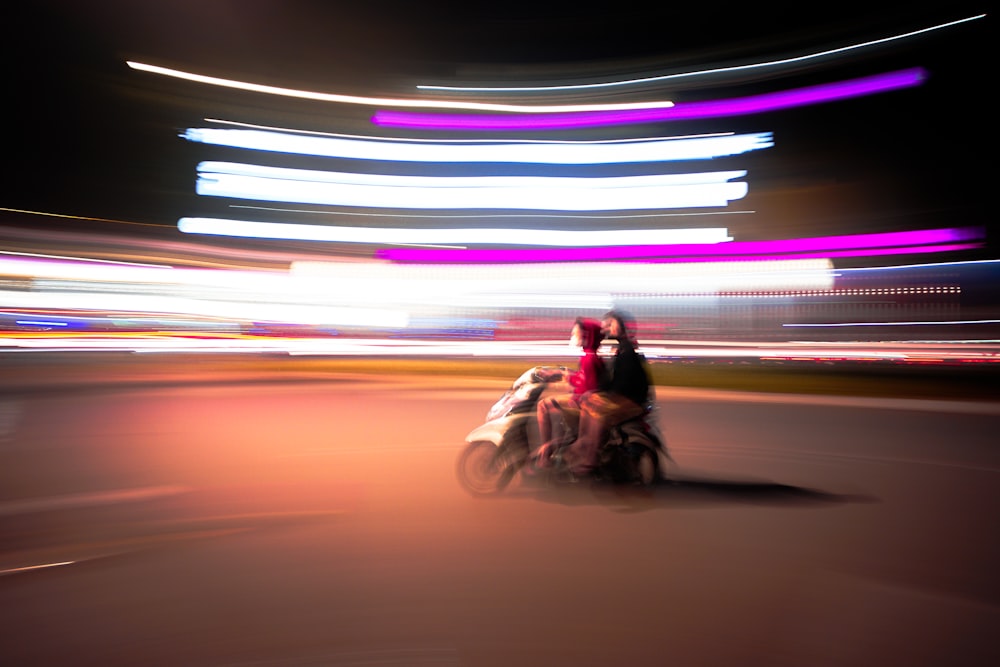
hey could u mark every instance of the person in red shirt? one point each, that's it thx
(559, 415)
(625, 396)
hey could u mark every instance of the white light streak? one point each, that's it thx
(389, 101)
(71, 270)
(656, 150)
(893, 324)
(251, 312)
(82, 259)
(30, 568)
(719, 70)
(452, 236)
(904, 352)
(656, 191)
(491, 140)
(481, 216)
(896, 267)
(482, 280)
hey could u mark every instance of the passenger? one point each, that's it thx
(626, 397)
(558, 416)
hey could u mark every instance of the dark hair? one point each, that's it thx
(625, 321)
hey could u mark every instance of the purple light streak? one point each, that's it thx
(863, 252)
(683, 111)
(888, 243)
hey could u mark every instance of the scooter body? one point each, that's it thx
(501, 447)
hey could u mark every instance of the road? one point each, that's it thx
(320, 523)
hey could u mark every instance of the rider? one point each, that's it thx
(625, 397)
(564, 410)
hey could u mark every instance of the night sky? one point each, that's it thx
(86, 135)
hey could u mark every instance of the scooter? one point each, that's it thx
(501, 448)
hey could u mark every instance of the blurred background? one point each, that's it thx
(325, 178)
(265, 266)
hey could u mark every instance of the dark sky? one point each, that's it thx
(88, 136)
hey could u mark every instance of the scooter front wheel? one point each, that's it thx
(483, 470)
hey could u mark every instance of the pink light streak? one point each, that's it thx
(855, 245)
(681, 111)
(863, 252)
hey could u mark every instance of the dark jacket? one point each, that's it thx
(630, 374)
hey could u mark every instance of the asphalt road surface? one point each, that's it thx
(321, 523)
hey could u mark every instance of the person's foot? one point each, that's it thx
(575, 463)
(542, 457)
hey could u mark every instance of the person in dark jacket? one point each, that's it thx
(625, 397)
(559, 415)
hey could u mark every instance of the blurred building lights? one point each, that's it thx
(374, 294)
(683, 282)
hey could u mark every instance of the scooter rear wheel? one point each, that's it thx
(483, 470)
(646, 468)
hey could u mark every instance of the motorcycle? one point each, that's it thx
(501, 448)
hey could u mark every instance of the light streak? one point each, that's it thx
(612, 152)
(656, 191)
(714, 71)
(30, 568)
(952, 351)
(378, 295)
(82, 270)
(483, 216)
(377, 235)
(390, 254)
(892, 324)
(887, 252)
(288, 313)
(890, 242)
(409, 282)
(391, 101)
(437, 141)
(896, 267)
(82, 259)
(684, 111)
(833, 293)
(77, 217)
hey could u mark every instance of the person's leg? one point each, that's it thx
(592, 436)
(543, 411)
(553, 413)
(581, 454)
(569, 425)
(622, 410)
(600, 412)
